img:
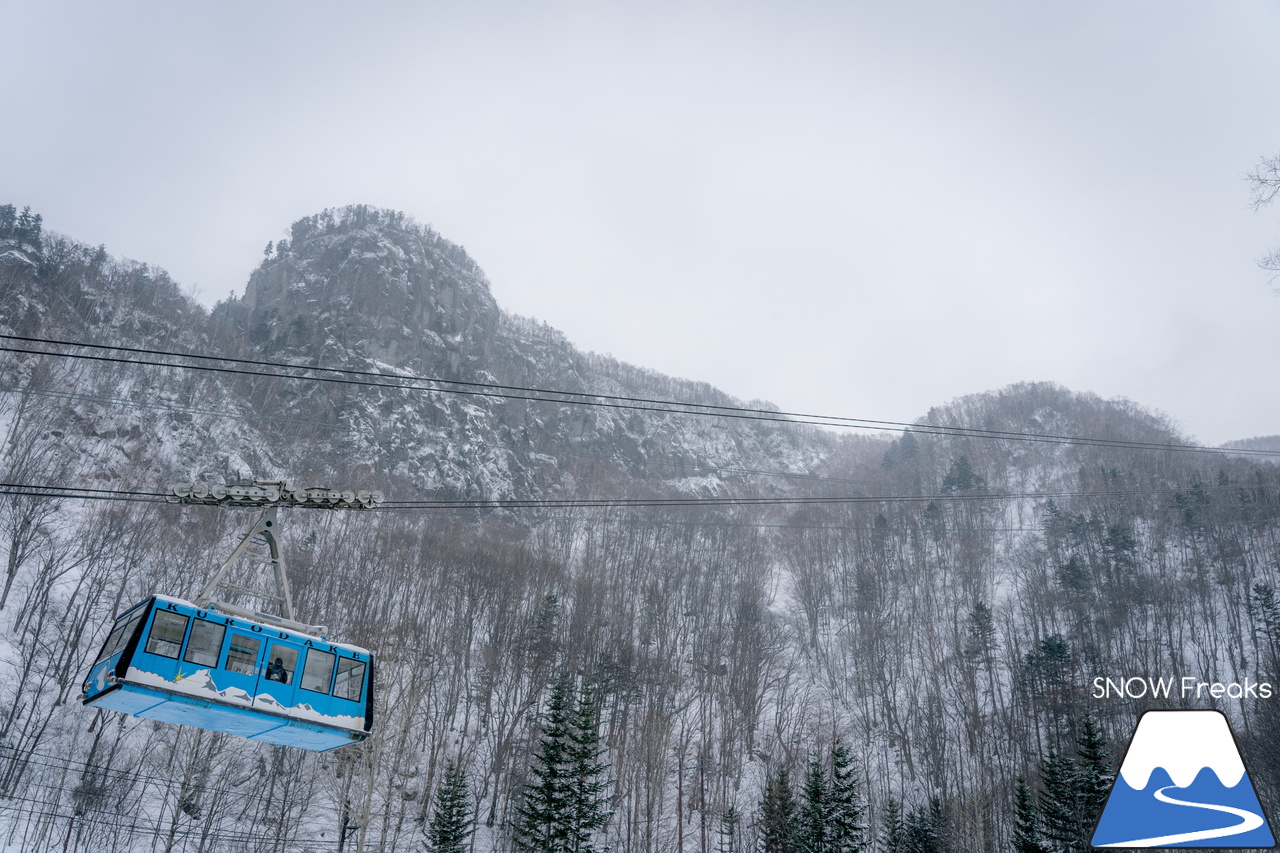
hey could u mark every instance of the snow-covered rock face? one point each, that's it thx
(370, 289)
(15, 253)
(373, 284)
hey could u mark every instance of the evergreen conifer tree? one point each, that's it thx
(452, 822)
(980, 639)
(893, 831)
(542, 817)
(728, 832)
(587, 797)
(1093, 773)
(1059, 803)
(28, 227)
(564, 805)
(925, 829)
(847, 832)
(778, 816)
(814, 825)
(1074, 791)
(1026, 830)
(961, 478)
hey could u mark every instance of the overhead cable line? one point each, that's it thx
(117, 775)
(407, 381)
(79, 492)
(424, 505)
(313, 424)
(141, 829)
(163, 407)
(611, 503)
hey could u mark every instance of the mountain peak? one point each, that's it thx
(371, 283)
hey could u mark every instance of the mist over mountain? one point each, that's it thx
(942, 610)
(1262, 442)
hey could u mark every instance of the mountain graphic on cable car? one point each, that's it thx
(171, 660)
(1183, 784)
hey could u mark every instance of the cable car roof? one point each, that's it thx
(291, 634)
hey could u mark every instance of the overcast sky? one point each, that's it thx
(858, 209)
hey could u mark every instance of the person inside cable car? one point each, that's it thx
(277, 672)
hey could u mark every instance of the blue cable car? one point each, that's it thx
(171, 660)
(222, 667)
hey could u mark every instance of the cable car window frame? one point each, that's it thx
(120, 634)
(233, 657)
(314, 677)
(345, 685)
(199, 626)
(154, 639)
(289, 655)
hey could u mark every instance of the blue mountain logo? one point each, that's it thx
(1183, 784)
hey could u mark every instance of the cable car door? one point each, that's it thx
(244, 652)
(276, 681)
(235, 683)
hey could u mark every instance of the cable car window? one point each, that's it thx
(119, 637)
(166, 634)
(281, 662)
(205, 645)
(350, 679)
(242, 657)
(317, 671)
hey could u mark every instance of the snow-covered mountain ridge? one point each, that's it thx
(366, 289)
(361, 287)
(370, 289)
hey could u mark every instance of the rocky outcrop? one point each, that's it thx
(360, 282)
